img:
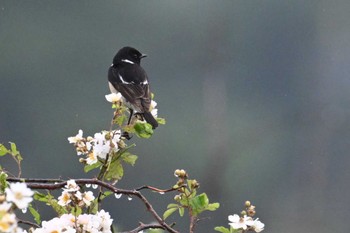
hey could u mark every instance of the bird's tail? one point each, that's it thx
(150, 119)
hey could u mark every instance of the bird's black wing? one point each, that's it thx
(131, 82)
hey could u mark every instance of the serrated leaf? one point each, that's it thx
(199, 203)
(35, 214)
(169, 212)
(3, 150)
(129, 158)
(143, 130)
(222, 229)
(115, 171)
(90, 167)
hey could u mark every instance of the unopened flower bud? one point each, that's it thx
(121, 144)
(243, 212)
(81, 160)
(2, 198)
(251, 212)
(107, 136)
(180, 182)
(177, 173)
(177, 198)
(247, 203)
(194, 184)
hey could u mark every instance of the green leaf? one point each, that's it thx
(143, 130)
(3, 182)
(172, 205)
(13, 148)
(161, 121)
(105, 194)
(49, 200)
(213, 206)
(222, 229)
(76, 211)
(35, 214)
(115, 171)
(120, 120)
(129, 158)
(59, 209)
(3, 150)
(93, 208)
(90, 167)
(169, 212)
(181, 211)
(15, 152)
(199, 203)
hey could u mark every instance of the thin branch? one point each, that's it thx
(144, 227)
(161, 191)
(34, 184)
(28, 223)
(34, 180)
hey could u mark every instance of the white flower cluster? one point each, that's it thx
(17, 194)
(71, 194)
(245, 222)
(96, 147)
(84, 223)
(117, 97)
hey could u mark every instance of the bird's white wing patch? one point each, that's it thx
(127, 61)
(123, 81)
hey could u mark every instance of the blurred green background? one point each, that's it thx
(255, 93)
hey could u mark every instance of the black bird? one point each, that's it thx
(127, 77)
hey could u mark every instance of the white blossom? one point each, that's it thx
(237, 222)
(19, 194)
(113, 97)
(257, 225)
(71, 186)
(153, 109)
(77, 137)
(65, 198)
(8, 222)
(86, 223)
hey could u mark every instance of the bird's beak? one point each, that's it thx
(143, 55)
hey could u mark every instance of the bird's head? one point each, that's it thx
(128, 55)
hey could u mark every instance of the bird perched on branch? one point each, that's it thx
(127, 77)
